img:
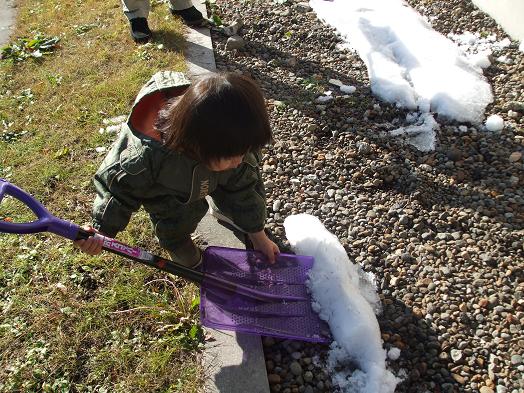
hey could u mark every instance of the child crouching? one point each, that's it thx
(181, 143)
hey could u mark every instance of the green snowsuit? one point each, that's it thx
(140, 171)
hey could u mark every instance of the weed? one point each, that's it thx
(312, 84)
(83, 29)
(25, 48)
(214, 13)
(54, 79)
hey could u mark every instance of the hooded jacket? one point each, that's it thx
(140, 171)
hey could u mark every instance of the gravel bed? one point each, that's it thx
(442, 231)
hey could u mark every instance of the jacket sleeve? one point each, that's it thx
(242, 197)
(120, 183)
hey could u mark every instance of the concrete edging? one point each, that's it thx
(233, 362)
(7, 20)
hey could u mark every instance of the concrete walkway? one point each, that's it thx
(7, 20)
(234, 362)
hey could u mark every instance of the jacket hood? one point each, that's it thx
(162, 86)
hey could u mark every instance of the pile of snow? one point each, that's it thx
(494, 123)
(345, 297)
(408, 62)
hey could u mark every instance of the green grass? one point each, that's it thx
(70, 321)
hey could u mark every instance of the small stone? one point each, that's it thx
(335, 82)
(394, 280)
(302, 7)
(295, 368)
(273, 379)
(308, 376)
(233, 29)
(235, 42)
(485, 389)
(512, 114)
(483, 303)
(456, 355)
(515, 156)
(404, 220)
(363, 148)
(516, 359)
(442, 236)
(454, 154)
(296, 355)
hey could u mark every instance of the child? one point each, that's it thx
(181, 143)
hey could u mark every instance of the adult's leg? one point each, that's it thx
(136, 8)
(137, 12)
(178, 5)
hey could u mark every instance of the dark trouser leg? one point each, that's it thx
(174, 231)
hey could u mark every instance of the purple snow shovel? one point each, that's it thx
(238, 289)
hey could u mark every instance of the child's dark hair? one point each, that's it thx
(219, 116)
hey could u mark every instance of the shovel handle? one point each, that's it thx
(46, 222)
(145, 257)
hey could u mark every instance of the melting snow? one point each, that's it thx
(494, 123)
(410, 64)
(345, 297)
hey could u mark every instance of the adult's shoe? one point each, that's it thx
(191, 16)
(140, 30)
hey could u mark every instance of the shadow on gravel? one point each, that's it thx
(420, 351)
(292, 95)
(476, 167)
(469, 171)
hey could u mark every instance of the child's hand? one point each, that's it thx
(262, 243)
(92, 245)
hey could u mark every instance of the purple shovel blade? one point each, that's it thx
(222, 309)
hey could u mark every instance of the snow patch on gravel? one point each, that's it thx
(408, 62)
(421, 134)
(344, 296)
